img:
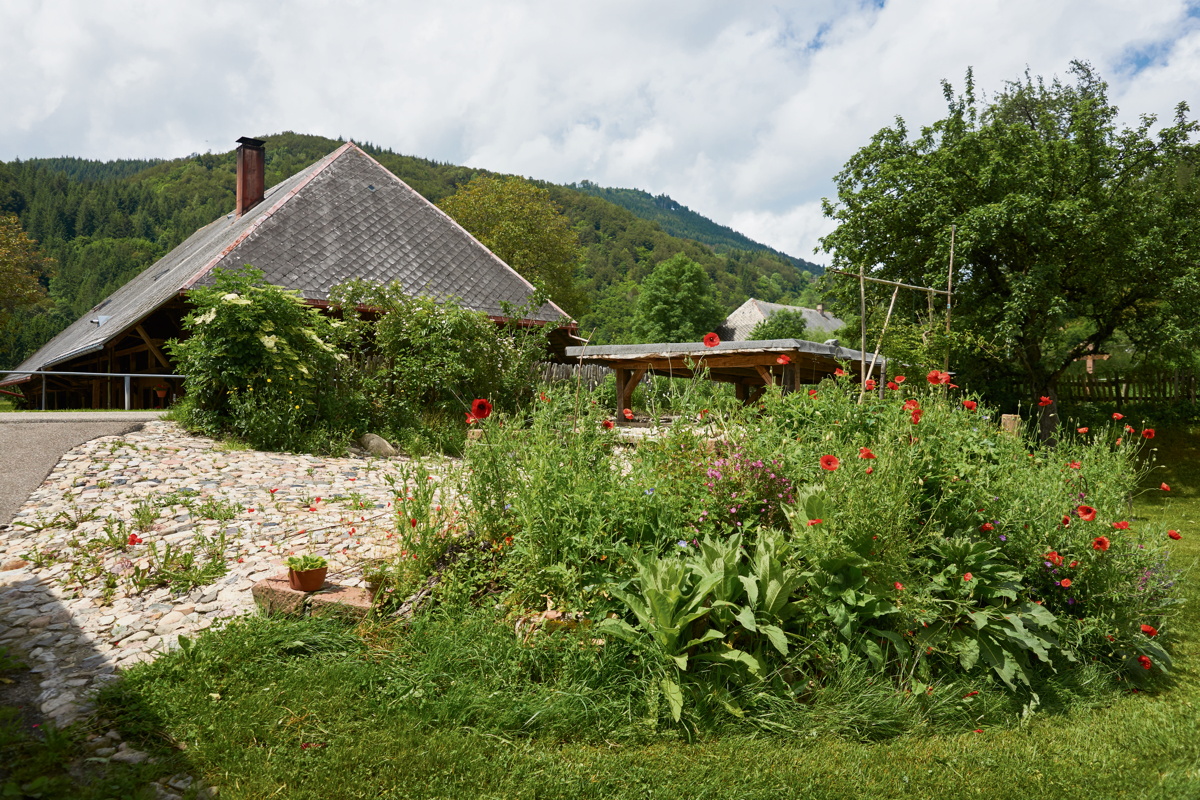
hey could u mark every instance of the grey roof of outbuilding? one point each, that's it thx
(344, 217)
(739, 324)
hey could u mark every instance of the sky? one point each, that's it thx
(742, 111)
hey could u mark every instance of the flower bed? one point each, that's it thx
(905, 537)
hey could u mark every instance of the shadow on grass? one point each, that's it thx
(51, 743)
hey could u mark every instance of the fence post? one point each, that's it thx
(126, 392)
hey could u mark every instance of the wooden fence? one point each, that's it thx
(1135, 387)
(590, 375)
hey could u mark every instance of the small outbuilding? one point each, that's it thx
(741, 322)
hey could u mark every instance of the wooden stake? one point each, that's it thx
(949, 297)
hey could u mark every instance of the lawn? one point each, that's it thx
(314, 710)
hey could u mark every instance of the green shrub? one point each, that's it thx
(261, 365)
(421, 361)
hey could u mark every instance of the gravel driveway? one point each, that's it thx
(32, 442)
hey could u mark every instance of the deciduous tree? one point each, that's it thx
(676, 303)
(22, 268)
(519, 222)
(1069, 227)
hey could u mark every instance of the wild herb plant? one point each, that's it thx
(219, 510)
(144, 515)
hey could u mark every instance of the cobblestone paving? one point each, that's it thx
(75, 638)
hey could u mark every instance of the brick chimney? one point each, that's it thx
(250, 173)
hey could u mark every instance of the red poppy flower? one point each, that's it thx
(830, 463)
(1118, 441)
(1164, 487)
(711, 340)
(910, 404)
(1145, 662)
(785, 360)
(987, 527)
(1086, 513)
(899, 586)
(1065, 583)
(870, 384)
(967, 576)
(839, 372)
(1044, 401)
(1175, 535)
(916, 415)
(870, 470)
(900, 379)
(1101, 543)
(480, 408)
(542, 397)
(1148, 433)
(1118, 415)
(865, 452)
(1150, 630)
(413, 522)
(1066, 520)
(812, 522)
(1130, 429)
(1083, 430)
(608, 424)
(1054, 558)
(969, 694)
(970, 405)
(1073, 564)
(1074, 464)
(135, 539)
(1121, 526)
(812, 392)
(628, 414)
(937, 377)
(893, 385)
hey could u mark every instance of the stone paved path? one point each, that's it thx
(56, 611)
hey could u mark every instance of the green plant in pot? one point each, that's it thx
(307, 573)
(377, 574)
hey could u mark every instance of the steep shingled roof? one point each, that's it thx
(344, 217)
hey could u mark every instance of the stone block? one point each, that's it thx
(275, 596)
(349, 602)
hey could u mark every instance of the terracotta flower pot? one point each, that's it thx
(310, 580)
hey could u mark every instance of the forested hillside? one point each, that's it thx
(102, 223)
(679, 220)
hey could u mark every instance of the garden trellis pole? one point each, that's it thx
(862, 304)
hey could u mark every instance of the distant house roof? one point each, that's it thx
(741, 322)
(344, 217)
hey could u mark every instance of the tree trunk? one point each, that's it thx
(1048, 414)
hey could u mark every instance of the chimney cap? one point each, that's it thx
(246, 140)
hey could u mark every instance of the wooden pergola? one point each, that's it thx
(750, 366)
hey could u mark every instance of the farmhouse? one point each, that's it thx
(344, 217)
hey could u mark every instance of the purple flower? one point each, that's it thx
(1003, 538)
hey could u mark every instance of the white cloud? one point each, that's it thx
(743, 112)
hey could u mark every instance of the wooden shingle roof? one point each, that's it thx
(344, 217)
